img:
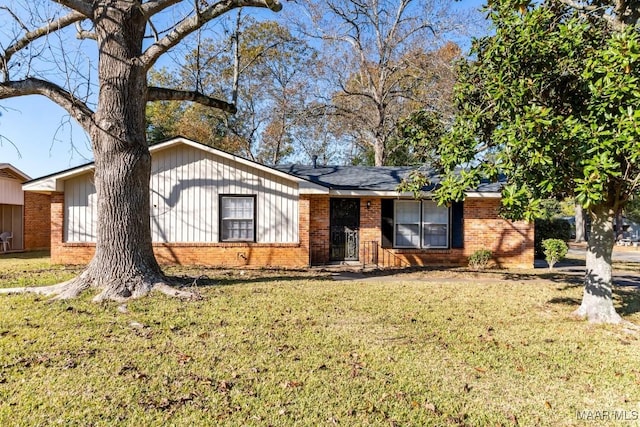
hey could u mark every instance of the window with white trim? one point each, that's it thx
(237, 218)
(420, 224)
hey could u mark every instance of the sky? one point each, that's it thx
(38, 137)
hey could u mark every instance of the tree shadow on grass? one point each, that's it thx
(629, 298)
(569, 278)
(565, 301)
(629, 301)
(25, 255)
(231, 277)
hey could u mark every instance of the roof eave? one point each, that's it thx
(15, 170)
(392, 193)
(55, 182)
(483, 195)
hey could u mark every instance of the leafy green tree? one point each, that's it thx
(554, 250)
(551, 101)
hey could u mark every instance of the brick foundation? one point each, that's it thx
(224, 254)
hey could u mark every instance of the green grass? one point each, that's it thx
(296, 348)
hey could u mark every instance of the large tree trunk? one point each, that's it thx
(124, 265)
(579, 223)
(597, 301)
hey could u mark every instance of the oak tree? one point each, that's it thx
(127, 37)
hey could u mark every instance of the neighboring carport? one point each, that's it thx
(12, 206)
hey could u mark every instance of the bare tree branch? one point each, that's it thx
(32, 86)
(152, 7)
(578, 5)
(84, 34)
(616, 21)
(165, 94)
(31, 36)
(81, 6)
(191, 24)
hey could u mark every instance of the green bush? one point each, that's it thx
(550, 229)
(479, 260)
(554, 251)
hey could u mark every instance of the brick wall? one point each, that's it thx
(370, 229)
(37, 221)
(290, 255)
(304, 227)
(510, 242)
(58, 255)
(319, 229)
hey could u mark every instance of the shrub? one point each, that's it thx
(550, 229)
(479, 260)
(554, 251)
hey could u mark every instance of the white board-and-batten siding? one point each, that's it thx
(186, 184)
(11, 192)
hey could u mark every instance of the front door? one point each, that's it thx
(344, 225)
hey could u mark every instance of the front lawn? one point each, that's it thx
(297, 348)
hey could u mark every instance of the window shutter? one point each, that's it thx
(386, 210)
(457, 225)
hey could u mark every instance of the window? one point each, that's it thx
(237, 215)
(435, 225)
(407, 224)
(420, 224)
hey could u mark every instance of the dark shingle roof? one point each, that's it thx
(369, 178)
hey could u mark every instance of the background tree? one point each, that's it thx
(167, 119)
(263, 69)
(124, 265)
(551, 101)
(632, 210)
(381, 60)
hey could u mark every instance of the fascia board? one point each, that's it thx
(55, 183)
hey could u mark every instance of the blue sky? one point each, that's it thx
(37, 137)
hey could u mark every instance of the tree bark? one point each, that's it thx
(378, 153)
(579, 223)
(597, 301)
(124, 265)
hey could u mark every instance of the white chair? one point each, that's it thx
(5, 236)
